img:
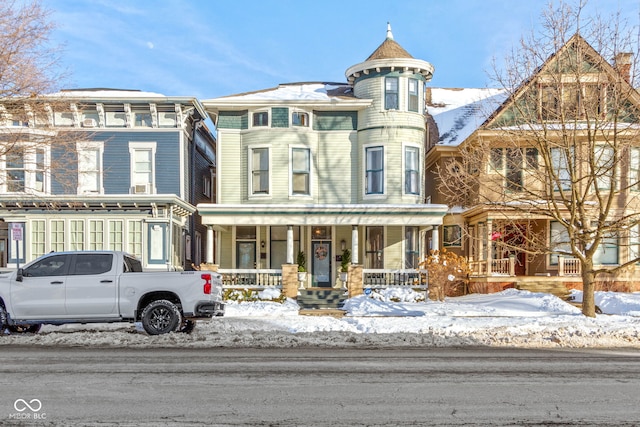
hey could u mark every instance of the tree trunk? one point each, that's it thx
(588, 292)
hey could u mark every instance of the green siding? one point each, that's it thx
(280, 117)
(233, 120)
(335, 120)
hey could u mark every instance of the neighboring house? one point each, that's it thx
(460, 118)
(323, 167)
(105, 169)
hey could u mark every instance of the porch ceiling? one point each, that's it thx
(338, 214)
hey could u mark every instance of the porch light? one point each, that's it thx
(343, 245)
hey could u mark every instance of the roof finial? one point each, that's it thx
(389, 33)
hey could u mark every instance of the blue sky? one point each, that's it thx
(206, 48)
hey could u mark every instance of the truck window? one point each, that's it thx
(92, 264)
(55, 265)
(132, 265)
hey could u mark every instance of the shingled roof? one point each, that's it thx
(389, 49)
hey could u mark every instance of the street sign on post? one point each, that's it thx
(17, 236)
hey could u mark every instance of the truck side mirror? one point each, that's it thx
(19, 275)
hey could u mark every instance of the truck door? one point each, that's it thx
(91, 287)
(40, 294)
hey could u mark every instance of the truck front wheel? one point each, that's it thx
(161, 317)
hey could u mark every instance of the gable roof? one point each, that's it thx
(459, 112)
(588, 51)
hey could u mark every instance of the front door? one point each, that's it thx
(321, 265)
(246, 255)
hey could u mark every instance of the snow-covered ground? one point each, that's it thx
(388, 319)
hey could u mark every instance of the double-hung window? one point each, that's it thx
(300, 119)
(412, 170)
(300, 171)
(374, 179)
(605, 165)
(259, 158)
(413, 95)
(391, 93)
(561, 162)
(142, 167)
(16, 170)
(89, 167)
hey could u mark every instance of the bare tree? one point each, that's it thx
(29, 72)
(560, 159)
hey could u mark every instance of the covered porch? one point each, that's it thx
(256, 245)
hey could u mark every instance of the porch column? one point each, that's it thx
(354, 244)
(487, 238)
(290, 244)
(209, 254)
(435, 238)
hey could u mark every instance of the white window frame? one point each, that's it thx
(309, 171)
(405, 148)
(365, 194)
(266, 111)
(30, 168)
(91, 146)
(397, 92)
(251, 193)
(306, 123)
(142, 146)
(410, 94)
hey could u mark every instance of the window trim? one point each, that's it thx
(306, 123)
(405, 148)
(258, 113)
(30, 168)
(411, 96)
(91, 146)
(365, 191)
(142, 146)
(388, 92)
(250, 190)
(309, 171)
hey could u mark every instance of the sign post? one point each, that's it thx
(16, 236)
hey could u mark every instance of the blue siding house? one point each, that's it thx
(105, 169)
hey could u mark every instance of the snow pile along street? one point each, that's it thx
(391, 318)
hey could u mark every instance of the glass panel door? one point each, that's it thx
(246, 255)
(321, 265)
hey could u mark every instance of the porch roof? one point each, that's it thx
(329, 214)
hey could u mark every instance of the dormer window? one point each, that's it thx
(261, 118)
(391, 93)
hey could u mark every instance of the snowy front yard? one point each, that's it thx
(392, 319)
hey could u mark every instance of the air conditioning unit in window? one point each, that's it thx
(89, 123)
(140, 189)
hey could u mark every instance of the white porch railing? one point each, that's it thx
(383, 278)
(261, 278)
(506, 267)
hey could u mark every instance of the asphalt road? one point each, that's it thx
(48, 386)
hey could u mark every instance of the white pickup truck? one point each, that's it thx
(105, 286)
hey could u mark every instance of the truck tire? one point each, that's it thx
(188, 326)
(161, 317)
(25, 329)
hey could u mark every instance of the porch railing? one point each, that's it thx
(494, 267)
(506, 267)
(379, 278)
(261, 278)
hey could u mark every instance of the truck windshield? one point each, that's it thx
(132, 265)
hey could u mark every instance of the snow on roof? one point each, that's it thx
(298, 92)
(459, 112)
(105, 93)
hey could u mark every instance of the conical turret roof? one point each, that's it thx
(389, 48)
(389, 55)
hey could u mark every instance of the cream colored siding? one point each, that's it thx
(393, 250)
(230, 167)
(226, 249)
(333, 178)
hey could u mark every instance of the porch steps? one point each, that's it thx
(321, 298)
(554, 288)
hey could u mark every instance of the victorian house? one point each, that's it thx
(560, 152)
(320, 167)
(105, 169)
